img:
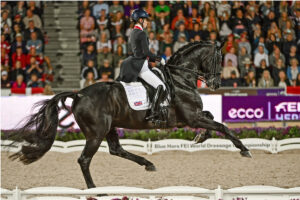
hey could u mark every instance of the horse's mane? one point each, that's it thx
(187, 49)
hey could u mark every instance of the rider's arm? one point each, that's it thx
(145, 47)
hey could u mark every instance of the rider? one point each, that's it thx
(137, 65)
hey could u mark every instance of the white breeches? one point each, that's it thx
(147, 75)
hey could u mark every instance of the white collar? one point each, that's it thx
(139, 26)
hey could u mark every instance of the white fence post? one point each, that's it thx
(274, 144)
(17, 194)
(149, 147)
(219, 193)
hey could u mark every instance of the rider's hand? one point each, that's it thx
(162, 61)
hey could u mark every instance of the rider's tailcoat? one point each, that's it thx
(139, 45)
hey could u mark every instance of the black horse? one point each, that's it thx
(100, 108)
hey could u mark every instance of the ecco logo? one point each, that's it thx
(248, 113)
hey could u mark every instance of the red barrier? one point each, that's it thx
(293, 90)
(29, 91)
(18, 90)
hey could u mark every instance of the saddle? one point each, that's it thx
(140, 94)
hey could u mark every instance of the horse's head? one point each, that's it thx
(202, 59)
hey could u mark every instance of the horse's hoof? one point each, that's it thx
(150, 168)
(201, 137)
(98, 195)
(246, 154)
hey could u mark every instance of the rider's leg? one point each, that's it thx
(147, 75)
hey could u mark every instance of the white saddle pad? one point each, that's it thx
(136, 95)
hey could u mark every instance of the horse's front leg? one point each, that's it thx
(200, 138)
(204, 122)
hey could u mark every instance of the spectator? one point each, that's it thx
(289, 30)
(5, 19)
(105, 77)
(180, 43)
(293, 70)
(166, 31)
(89, 54)
(19, 83)
(83, 7)
(243, 56)
(195, 18)
(16, 71)
(162, 11)
(228, 68)
(122, 42)
(287, 45)
(117, 31)
(225, 25)
(6, 30)
(34, 8)
(19, 9)
(279, 66)
(292, 54)
(244, 43)
(113, 9)
(195, 31)
(32, 53)
(179, 19)
(5, 83)
(262, 67)
(19, 43)
(34, 81)
(97, 8)
(30, 16)
(233, 81)
(107, 68)
(266, 81)
(268, 21)
(103, 28)
(211, 19)
(275, 56)
(150, 9)
(4, 60)
(31, 28)
(283, 81)
(260, 55)
(167, 42)
(229, 44)
(34, 67)
(261, 42)
(153, 43)
(231, 55)
(87, 25)
(250, 79)
(181, 30)
(90, 80)
(298, 80)
(117, 19)
(205, 9)
(48, 90)
(5, 44)
(6, 7)
(19, 56)
(90, 67)
(223, 7)
(105, 55)
(117, 57)
(246, 67)
(103, 42)
(16, 30)
(129, 6)
(167, 54)
(283, 20)
(35, 42)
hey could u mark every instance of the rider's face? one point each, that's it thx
(145, 23)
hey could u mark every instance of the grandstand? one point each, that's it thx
(262, 48)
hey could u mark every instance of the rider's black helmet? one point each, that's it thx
(138, 13)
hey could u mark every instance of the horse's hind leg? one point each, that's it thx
(116, 149)
(200, 138)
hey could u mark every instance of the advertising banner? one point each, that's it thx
(260, 108)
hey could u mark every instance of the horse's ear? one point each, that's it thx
(220, 44)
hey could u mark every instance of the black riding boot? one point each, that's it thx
(155, 107)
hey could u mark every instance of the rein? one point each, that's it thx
(200, 75)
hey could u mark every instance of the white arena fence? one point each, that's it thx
(150, 147)
(258, 192)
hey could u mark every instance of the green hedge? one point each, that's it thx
(189, 134)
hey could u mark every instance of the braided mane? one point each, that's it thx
(186, 49)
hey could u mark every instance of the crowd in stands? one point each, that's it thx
(261, 49)
(23, 63)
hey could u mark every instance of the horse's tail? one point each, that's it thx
(40, 129)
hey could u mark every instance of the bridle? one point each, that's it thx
(199, 75)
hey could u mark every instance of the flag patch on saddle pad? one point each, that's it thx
(138, 103)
